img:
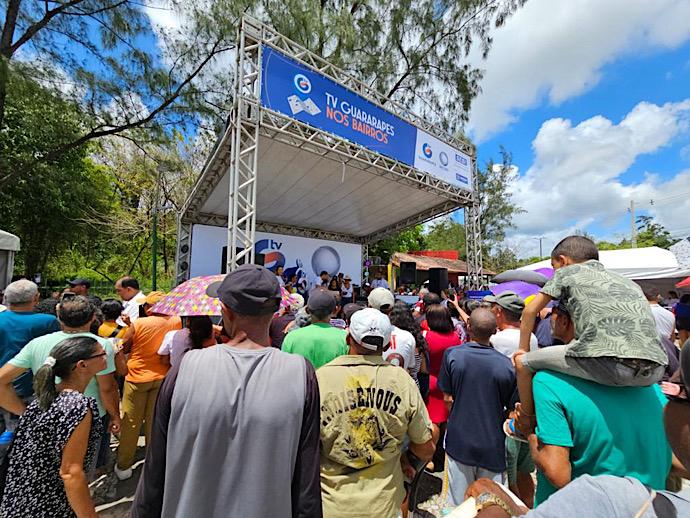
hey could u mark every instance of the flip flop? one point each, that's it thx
(512, 432)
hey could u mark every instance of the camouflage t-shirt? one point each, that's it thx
(368, 406)
(610, 313)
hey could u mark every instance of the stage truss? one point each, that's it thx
(236, 154)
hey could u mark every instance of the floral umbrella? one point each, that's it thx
(189, 299)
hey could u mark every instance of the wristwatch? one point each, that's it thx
(488, 499)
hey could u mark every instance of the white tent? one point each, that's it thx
(635, 263)
(9, 245)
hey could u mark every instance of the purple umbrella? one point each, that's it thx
(546, 272)
(524, 289)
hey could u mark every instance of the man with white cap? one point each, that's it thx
(368, 407)
(401, 350)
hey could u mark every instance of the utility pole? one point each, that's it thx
(154, 240)
(540, 238)
(633, 225)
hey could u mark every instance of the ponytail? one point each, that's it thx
(63, 357)
(44, 386)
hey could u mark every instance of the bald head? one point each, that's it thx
(482, 325)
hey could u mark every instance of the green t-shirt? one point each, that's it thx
(610, 313)
(318, 343)
(610, 430)
(33, 355)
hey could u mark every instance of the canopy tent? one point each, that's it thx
(9, 245)
(311, 152)
(650, 263)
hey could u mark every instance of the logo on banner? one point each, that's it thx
(461, 159)
(461, 178)
(426, 149)
(443, 158)
(270, 249)
(298, 105)
(302, 83)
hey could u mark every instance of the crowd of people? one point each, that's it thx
(329, 405)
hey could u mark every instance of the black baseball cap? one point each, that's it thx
(321, 301)
(249, 290)
(80, 282)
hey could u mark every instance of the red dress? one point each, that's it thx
(438, 343)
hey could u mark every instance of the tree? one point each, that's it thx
(44, 210)
(651, 233)
(409, 240)
(495, 199)
(41, 208)
(92, 51)
(412, 51)
(447, 234)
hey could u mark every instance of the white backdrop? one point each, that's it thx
(311, 256)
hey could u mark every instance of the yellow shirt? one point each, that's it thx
(107, 328)
(368, 406)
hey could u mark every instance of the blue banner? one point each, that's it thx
(291, 88)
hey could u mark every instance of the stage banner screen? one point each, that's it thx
(295, 90)
(304, 257)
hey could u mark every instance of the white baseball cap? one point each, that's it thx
(367, 323)
(380, 297)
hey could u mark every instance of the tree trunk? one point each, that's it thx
(6, 38)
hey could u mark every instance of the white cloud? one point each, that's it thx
(577, 175)
(557, 50)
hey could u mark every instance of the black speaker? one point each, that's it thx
(408, 272)
(224, 259)
(438, 279)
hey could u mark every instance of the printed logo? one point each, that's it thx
(461, 178)
(461, 159)
(273, 258)
(426, 149)
(443, 158)
(302, 83)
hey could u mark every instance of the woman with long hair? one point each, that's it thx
(401, 317)
(440, 337)
(196, 334)
(57, 439)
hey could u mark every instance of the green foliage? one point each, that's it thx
(410, 240)
(496, 204)
(447, 234)
(650, 233)
(45, 208)
(407, 50)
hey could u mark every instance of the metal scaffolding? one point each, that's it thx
(237, 155)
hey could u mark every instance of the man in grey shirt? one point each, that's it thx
(236, 426)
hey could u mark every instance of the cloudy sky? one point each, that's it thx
(592, 98)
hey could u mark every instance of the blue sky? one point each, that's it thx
(591, 97)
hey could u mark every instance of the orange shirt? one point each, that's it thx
(144, 364)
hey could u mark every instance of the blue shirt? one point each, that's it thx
(18, 328)
(482, 383)
(609, 430)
